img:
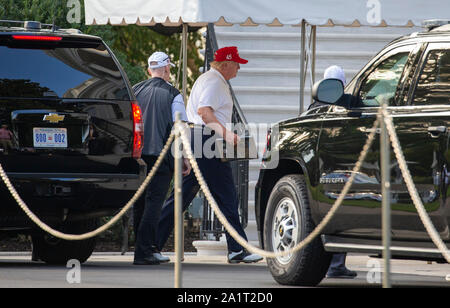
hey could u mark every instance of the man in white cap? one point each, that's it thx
(159, 102)
(332, 72)
(335, 72)
(337, 267)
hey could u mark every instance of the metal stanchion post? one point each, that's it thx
(185, 35)
(385, 192)
(178, 182)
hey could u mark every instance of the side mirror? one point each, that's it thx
(328, 91)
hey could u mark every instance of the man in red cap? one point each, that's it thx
(210, 105)
(210, 102)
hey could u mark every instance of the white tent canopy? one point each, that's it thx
(304, 13)
(269, 12)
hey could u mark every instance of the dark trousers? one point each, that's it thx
(337, 262)
(147, 209)
(218, 175)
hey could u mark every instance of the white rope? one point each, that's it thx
(412, 188)
(311, 236)
(269, 254)
(79, 237)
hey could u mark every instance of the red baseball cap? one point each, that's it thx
(229, 54)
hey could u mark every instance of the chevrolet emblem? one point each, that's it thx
(54, 118)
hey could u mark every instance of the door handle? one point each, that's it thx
(436, 131)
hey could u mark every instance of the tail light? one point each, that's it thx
(37, 38)
(138, 130)
(268, 139)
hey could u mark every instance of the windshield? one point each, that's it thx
(81, 73)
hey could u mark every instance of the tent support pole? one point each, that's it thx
(313, 56)
(184, 46)
(302, 65)
(307, 57)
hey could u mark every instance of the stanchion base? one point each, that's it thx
(210, 248)
(215, 248)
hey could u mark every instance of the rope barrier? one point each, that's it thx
(412, 188)
(106, 226)
(312, 235)
(179, 130)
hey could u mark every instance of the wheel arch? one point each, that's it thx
(270, 177)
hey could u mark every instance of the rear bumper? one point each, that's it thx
(51, 195)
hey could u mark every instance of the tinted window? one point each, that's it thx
(383, 80)
(60, 72)
(433, 86)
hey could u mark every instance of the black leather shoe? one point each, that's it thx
(146, 261)
(341, 273)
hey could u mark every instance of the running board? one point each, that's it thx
(367, 246)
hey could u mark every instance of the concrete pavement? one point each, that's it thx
(114, 270)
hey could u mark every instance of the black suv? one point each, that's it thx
(318, 150)
(70, 135)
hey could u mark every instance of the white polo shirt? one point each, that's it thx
(210, 90)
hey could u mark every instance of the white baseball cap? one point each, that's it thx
(160, 58)
(335, 72)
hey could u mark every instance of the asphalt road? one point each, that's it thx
(115, 271)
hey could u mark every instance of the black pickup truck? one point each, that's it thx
(70, 136)
(316, 152)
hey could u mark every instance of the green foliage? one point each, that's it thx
(45, 11)
(132, 44)
(139, 42)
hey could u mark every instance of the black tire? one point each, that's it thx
(308, 266)
(52, 250)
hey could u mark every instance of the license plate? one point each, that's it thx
(50, 137)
